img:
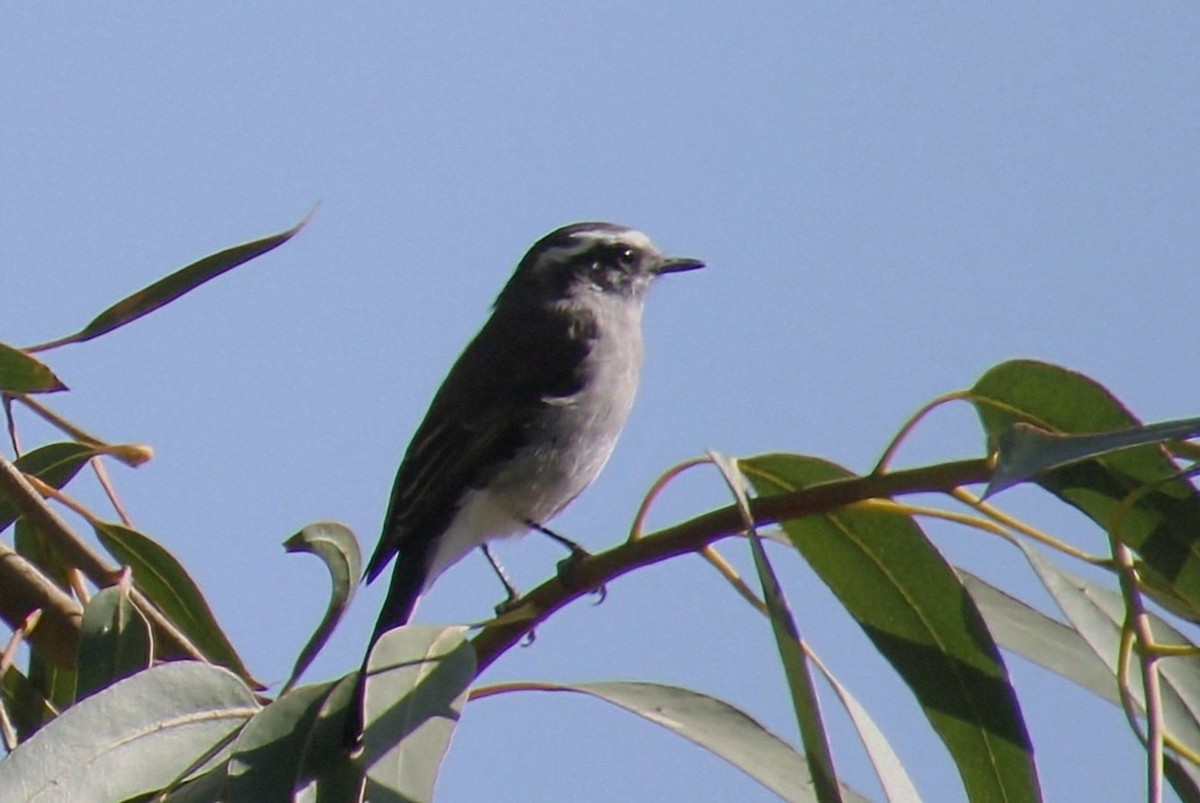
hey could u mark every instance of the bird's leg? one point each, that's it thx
(514, 596)
(567, 564)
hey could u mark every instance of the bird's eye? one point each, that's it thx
(627, 258)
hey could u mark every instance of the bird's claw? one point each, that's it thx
(569, 565)
(513, 603)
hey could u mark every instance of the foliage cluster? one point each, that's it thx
(129, 689)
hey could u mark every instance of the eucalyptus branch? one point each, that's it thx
(27, 589)
(695, 534)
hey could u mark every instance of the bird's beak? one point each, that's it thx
(677, 265)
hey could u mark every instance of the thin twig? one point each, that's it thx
(911, 423)
(639, 518)
(97, 464)
(710, 554)
(992, 512)
(1138, 623)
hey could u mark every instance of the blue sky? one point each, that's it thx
(891, 200)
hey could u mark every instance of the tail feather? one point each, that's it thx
(408, 581)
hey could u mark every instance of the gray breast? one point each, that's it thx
(573, 436)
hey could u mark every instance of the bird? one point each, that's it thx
(529, 413)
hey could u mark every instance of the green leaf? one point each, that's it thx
(909, 601)
(336, 545)
(114, 640)
(327, 772)
(21, 373)
(1026, 450)
(55, 683)
(171, 287)
(205, 788)
(1049, 643)
(1183, 777)
(416, 686)
(1026, 631)
(712, 724)
(162, 578)
(131, 738)
(266, 759)
(897, 785)
(1097, 614)
(55, 464)
(23, 702)
(1161, 526)
(805, 701)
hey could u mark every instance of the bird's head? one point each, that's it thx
(585, 258)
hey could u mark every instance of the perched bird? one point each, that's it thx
(530, 412)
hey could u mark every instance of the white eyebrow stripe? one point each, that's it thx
(583, 241)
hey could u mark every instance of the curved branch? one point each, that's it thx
(695, 534)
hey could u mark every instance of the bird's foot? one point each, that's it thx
(568, 571)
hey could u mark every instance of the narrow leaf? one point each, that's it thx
(712, 724)
(1161, 526)
(21, 373)
(897, 785)
(336, 545)
(417, 683)
(114, 640)
(1047, 642)
(1097, 614)
(805, 702)
(1026, 450)
(161, 577)
(171, 287)
(132, 738)
(909, 601)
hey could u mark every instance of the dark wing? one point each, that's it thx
(478, 420)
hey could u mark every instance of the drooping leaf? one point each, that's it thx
(174, 285)
(336, 545)
(1049, 643)
(266, 759)
(131, 738)
(909, 601)
(114, 640)
(161, 577)
(55, 464)
(896, 783)
(712, 724)
(416, 686)
(1184, 778)
(204, 788)
(1160, 526)
(1024, 450)
(1036, 637)
(23, 702)
(55, 683)
(1097, 614)
(805, 702)
(327, 772)
(21, 373)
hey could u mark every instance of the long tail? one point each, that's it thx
(408, 581)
